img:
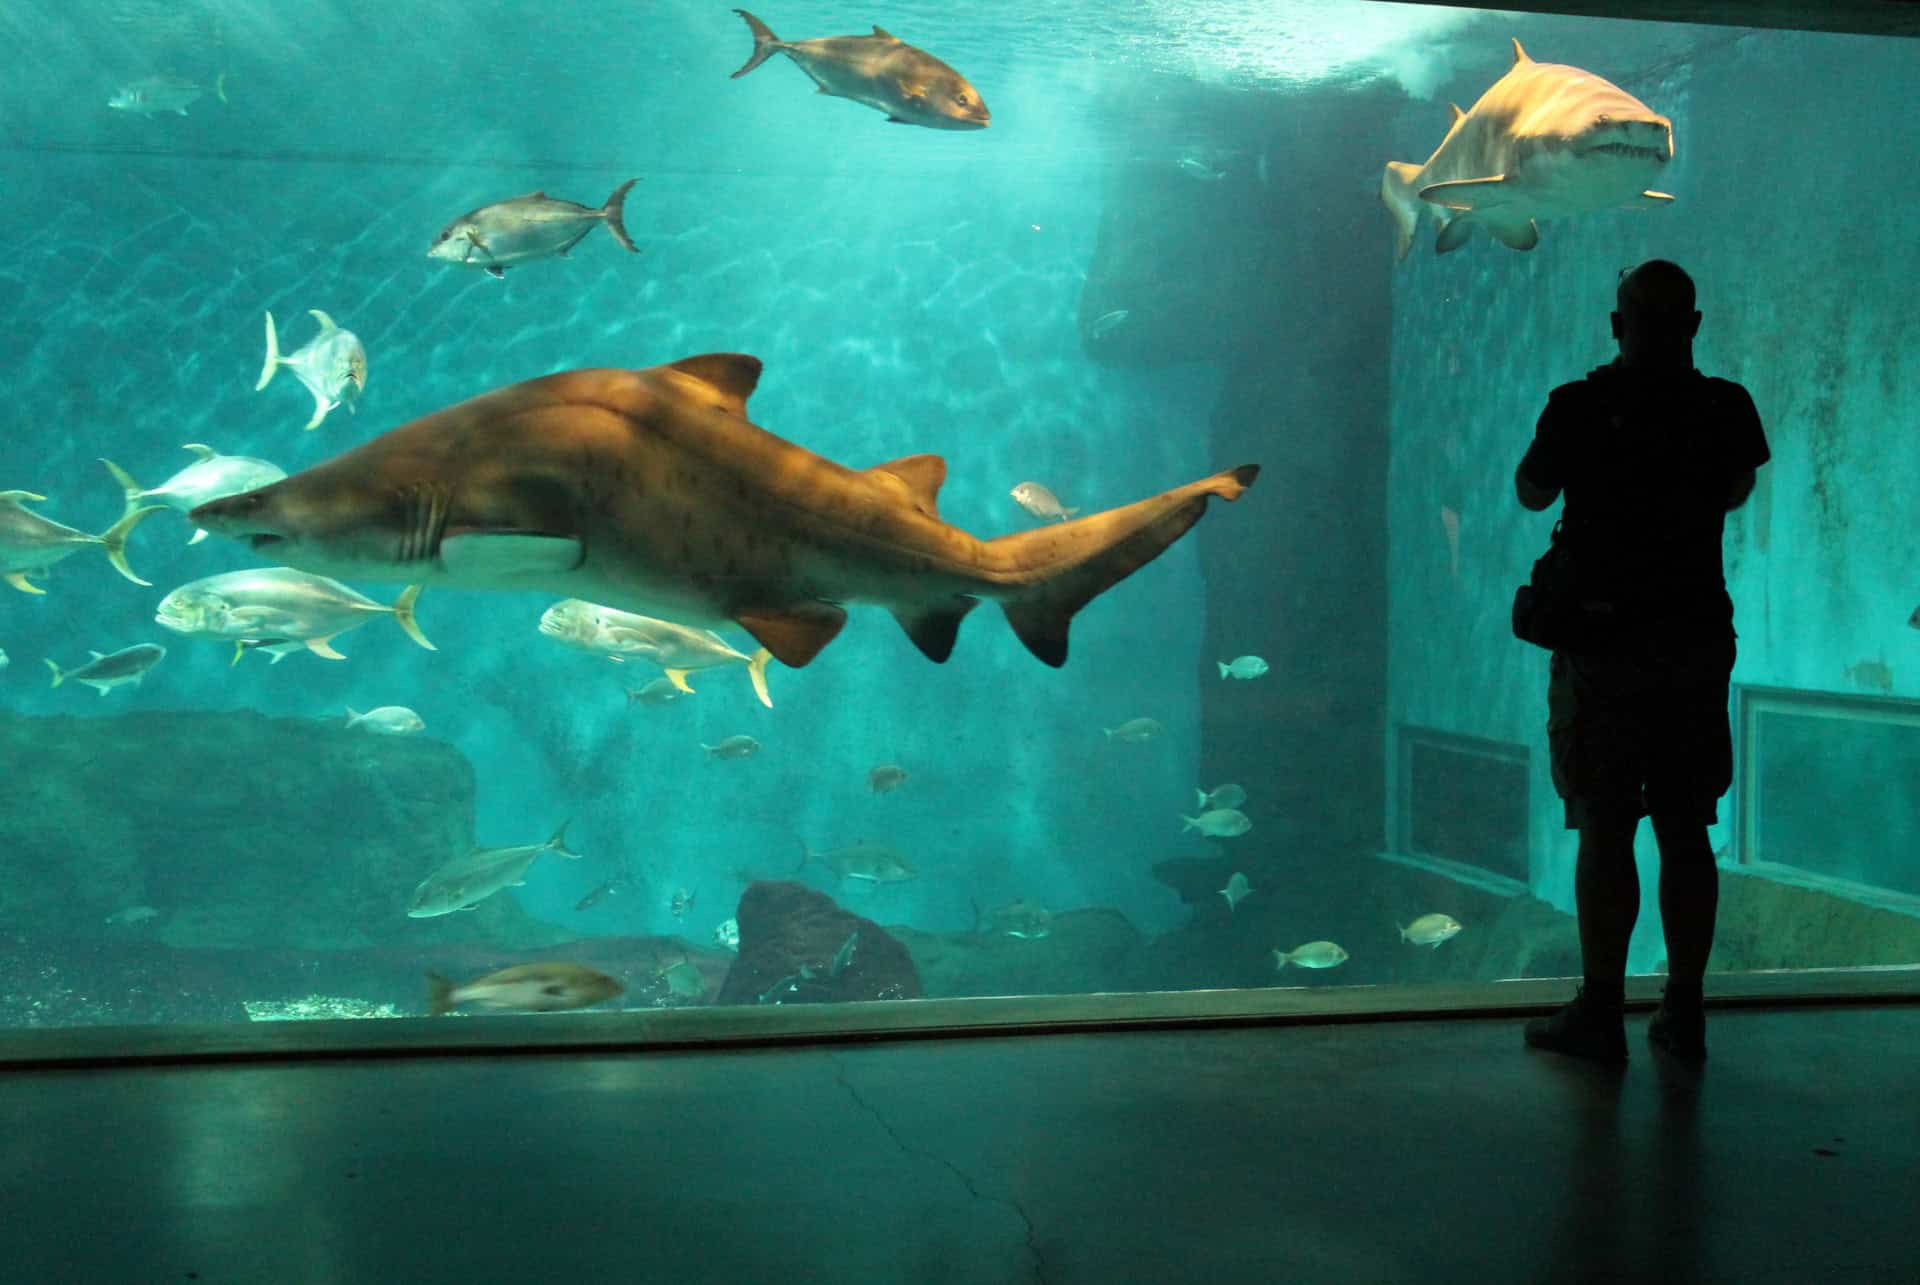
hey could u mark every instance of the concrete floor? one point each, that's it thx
(1373, 1151)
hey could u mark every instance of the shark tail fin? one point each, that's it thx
(765, 43)
(1051, 572)
(439, 995)
(614, 211)
(1399, 189)
(272, 365)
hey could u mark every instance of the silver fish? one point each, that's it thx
(619, 635)
(682, 902)
(1134, 731)
(1236, 891)
(332, 365)
(388, 720)
(465, 882)
(105, 671)
(523, 228)
(1315, 954)
(869, 862)
(1429, 930)
(660, 691)
(727, 935)
(881, 71)
(212, 476)
(1197, 166)
(272, 606)
(1109, 321)
(1220, 823)
(684, 981)
(1242, 667)
(532, 988)
(30, 543)
(152, 94)
(1221, 796)
(1042, 503)
(886, 778)
(733, 747)
(1027, 920)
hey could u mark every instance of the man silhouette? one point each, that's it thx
(1651, 455)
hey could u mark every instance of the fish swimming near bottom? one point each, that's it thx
(30, 543)
(1315, 954)
(867, 862)
(1430, 930)
(651, 491)
(465, 882)
(106, 671)
(528, 988)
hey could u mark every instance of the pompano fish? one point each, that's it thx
(1221, 796)
(152, 94)
(465, 882)
(909, 85)
(650, 490)
(1315, 954)
(210, 477)
(1219, 823)
(1236, 891)
(677, 649)
(332, 365)
(1429, 930)
(531, 988)
(388, 720)
(275, 606)
(107, 671)
(30, 543)
(523, 228)
(1134, 731)
(1544, 141)
(869, 862)
(1041, 502)
(1242, 667)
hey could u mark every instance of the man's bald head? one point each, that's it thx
(1655, 319)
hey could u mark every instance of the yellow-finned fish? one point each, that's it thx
(881, 71)
(30, 543)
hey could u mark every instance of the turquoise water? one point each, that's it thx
(1209, 171)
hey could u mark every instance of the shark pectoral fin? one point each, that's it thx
(322, 647)
(510, 552)
(198, 535)
(678, 677)
(794, 634)
(1465, 193)
(731, 375)
(1454, 233)
(921, 477)
(933, 629)
(1516, 236)
(18, 579)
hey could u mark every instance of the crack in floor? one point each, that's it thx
(1039, 1263)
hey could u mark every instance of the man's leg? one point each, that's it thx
(1606, 884)
(1689, 901)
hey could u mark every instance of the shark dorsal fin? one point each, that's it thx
(883, 33)
(326, 323)
(17, 498)
(1519, 54)
(203, 452)
(921, 476)
(733, 375)
(1457, 113)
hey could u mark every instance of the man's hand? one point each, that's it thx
(1537, 498)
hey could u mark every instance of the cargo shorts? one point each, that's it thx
(1642, 732)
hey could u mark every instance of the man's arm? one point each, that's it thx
(1540, 497)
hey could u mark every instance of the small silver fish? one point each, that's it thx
(684, 981)
(682, 902)
(531, 988)
(388, 720)
(886, 778)
(1042, 503)
(1219, 823)
(133, 915)
(1108, 321)
(152, 94)
(599, 893)
(29, 543)
(107, 671)
(1221, 796)
(1242, 667)
(1315, 954)
(332, 365)
(524, 228)
(1194, 166)
(679, 650)
(465, 882)
(881, 71)
(727, 935)
(733, 747)
(868, 862)
(660, 691)
(212, 476)
(1236, 890)
(1134, 731)
(1429, 930)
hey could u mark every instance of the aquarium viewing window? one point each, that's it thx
(1462, 799)
(1825, 785)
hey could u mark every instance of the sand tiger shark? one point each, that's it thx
(649, 490)
(1543, 142)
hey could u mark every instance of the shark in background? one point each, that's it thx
(650, 491)
(1545, 141)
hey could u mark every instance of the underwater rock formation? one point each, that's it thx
(790, 938)
(232, 829)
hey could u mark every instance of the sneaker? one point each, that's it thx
(1680, 1029)
(1585, 1028)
